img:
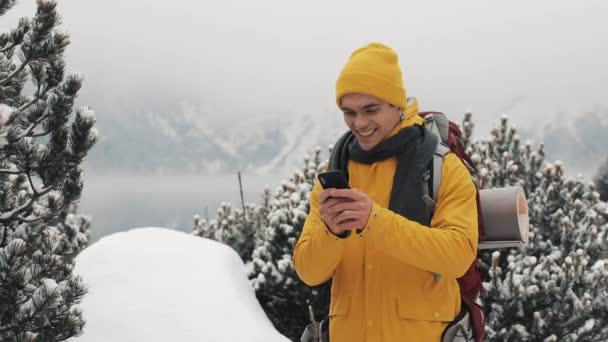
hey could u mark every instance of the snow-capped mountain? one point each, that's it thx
(185, 141)
(579, 140)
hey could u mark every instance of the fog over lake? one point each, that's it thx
(119, 202)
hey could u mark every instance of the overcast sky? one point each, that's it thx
(229, 58)
(232, 58)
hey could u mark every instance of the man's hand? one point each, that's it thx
(344, 209)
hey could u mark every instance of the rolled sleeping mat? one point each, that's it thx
(504, 212)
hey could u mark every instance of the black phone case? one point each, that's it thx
(333, 179)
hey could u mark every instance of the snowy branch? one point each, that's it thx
(39, 241)
(31, 128)
(29, 177)
(8, 48)
(6, 5)
(7, 327)
(36, 219)
(9, 216)
(39, 134)
(14, 73)
(10, 172)
(25, 106)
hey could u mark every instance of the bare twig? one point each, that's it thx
(3, 235)
(242, 198)
(29, 177)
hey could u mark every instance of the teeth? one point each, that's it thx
(366, 133)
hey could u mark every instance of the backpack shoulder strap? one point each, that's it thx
(425, 158)
(435, 179)
(438, 123)
(438, 156)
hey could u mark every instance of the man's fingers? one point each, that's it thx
(348, 224)
(350, 194)
(324, 195)
(332, 202)
(342, 206)
(329, 204)
(345, 193)
(347, 215)
(345, 209)
(329, 217)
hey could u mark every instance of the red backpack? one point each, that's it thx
(450, 137)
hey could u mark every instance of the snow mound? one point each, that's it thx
(157, 284)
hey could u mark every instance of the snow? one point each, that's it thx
(53, 195)
(93, 134)
(51, 284)
(88, 115)
(157, 284)
(5, 113)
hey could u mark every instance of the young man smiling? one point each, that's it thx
(370, 119)
(377, 240)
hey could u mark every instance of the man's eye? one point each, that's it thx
(371, 110)
(349, 113)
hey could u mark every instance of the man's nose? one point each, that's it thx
(360, 121)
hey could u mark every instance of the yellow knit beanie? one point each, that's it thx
(373, 70)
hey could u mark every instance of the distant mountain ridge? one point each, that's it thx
(580, 141)
(186, 143)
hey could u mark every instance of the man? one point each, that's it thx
(394, 278)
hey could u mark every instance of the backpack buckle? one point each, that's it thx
(430, 203)
(426, 175)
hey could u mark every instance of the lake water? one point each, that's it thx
(121, 202)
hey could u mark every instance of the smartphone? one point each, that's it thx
(333, 179)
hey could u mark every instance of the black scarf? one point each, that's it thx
(413, 146)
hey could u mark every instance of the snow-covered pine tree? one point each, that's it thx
(75, 231)
(556, 288)
(40, 177)
(284, 297)
(232, 227)
(601, 180)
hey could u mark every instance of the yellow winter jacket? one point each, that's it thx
(383, 285)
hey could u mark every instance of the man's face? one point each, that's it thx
(369, 118)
